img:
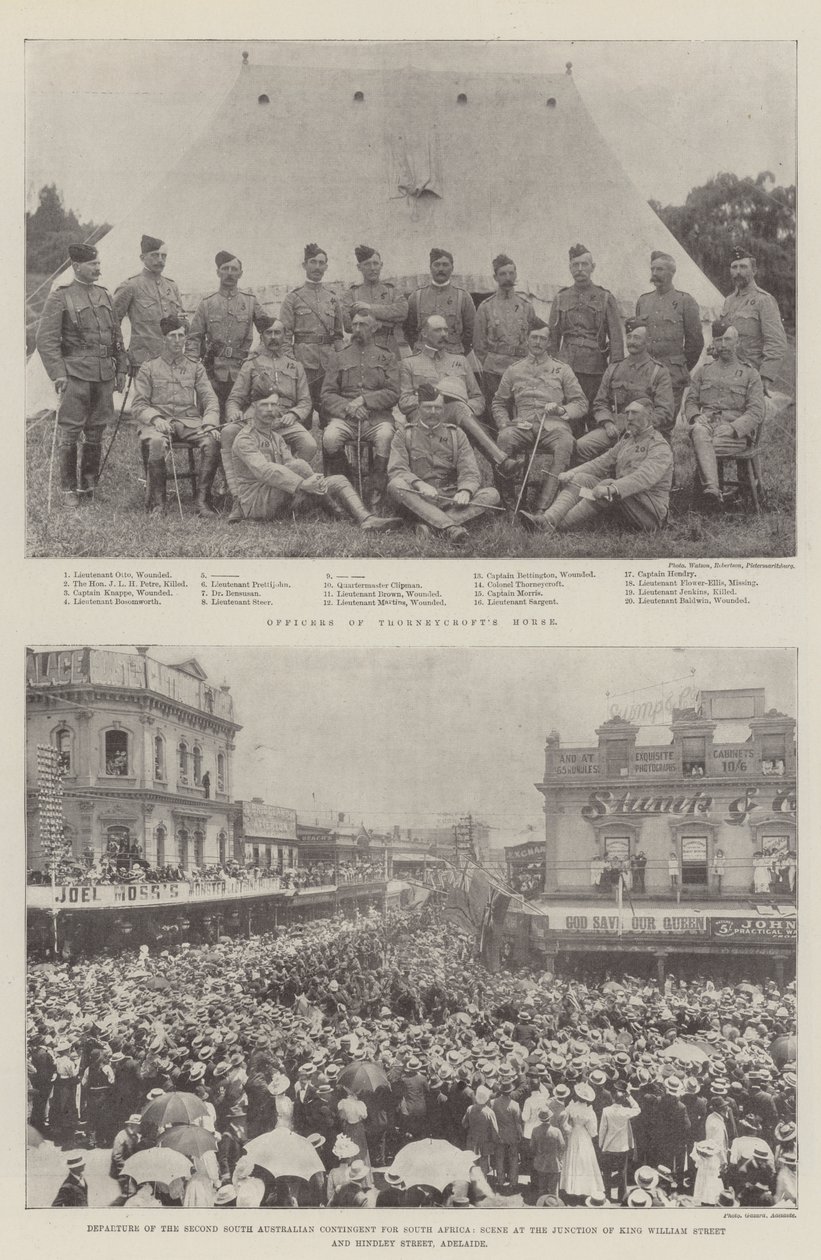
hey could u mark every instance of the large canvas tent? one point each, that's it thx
(402, 159)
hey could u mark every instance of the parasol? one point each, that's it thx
(168, 1109)
(365, 1077)
(158, 1165)
(432, 1162)
(285, 1154)
(685, 1051)
(782, 1050)
(188, 1139)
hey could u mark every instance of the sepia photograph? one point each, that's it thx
(405, 927)
(410, 298)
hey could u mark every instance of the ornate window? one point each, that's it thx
(63, 742)
(160, 838)
(197, 759)
(220, 772)
(116, 753)
(159, 757)
(182, 762)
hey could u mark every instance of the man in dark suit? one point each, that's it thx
(74, 1190)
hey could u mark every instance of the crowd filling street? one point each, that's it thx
(377, 1062)
(430, 412)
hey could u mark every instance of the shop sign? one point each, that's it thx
(646, 924)
(754, 929)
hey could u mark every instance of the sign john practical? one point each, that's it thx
(750, 929)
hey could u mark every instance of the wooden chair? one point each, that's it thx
(747, 481)
(183, 473)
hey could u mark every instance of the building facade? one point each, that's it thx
(676, 850)
(146, 754)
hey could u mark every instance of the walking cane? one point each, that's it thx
(530, 462)
(53, 445)
(176, 483)
(117, 425)
(359, 456)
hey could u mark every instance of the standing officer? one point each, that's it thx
(440, 297)
(637, 376)
(502, 323)
(78, 339)
(312, 316)
(271, 370)
(223, 327)
(376, 297)
(433, 474)
(539, 385)
(174, 402)
(754, 313)
(145, 299)
(359, 392)
(724, 408)
(585, 324)
(674, 335)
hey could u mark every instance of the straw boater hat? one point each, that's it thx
(584, 1093)
(638, 1198)
(785, 1131)
(358, 1171)
(674, 1086)
(225, 1195)
(646, 1177)
(596, 1200)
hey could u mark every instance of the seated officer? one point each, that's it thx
(174, 402)
(631, 481)
(271, 482)
(359, 391)
(271, 370)
(725, 407)
(637, 376)
(433, 474)
(538, 386)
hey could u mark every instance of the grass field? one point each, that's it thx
(116, 524)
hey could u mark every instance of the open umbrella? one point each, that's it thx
(157, 1164)
(168, 1109)
(188, 1139)
(432, 1162)
(365, 1077)
(783, 1049)
(285, 1154)
(685, 1051)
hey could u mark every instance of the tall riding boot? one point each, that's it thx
(379, 482)
(155, 486)
(503, 465)
(336, 465)
(347, 497)
(209, 463)
(90, 456)
(67, 456)
(544, 492)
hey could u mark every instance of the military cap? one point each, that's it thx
(630, 325)
(149, 243)
(170, 323)
(502, 260)
(82, 253)
(436, 252)
(312, 249)
(577, 250)
(264, 322)
(364, 252)
(660, 253)
(224, 256)
(427, 392)
(739, 254)
(537, 323)
(719, 327)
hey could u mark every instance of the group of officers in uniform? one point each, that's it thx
(581, 405)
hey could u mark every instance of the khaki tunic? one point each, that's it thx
(146, 299)
(433, 368)
(222, 331)
(388, 307)
(455, 305)
(175, 389)
(585, 326)
(762, 340)
(674, 333)
(263, 374)
(729, 392)
(79, 334)
(503, 322)
(312, 315)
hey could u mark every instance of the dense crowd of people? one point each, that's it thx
(310, 875)
(366, 1036)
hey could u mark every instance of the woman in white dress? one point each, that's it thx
(581, 1175)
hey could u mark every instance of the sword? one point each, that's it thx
(117, 425)
(53, 444)
(442, 498)
(530, 462)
